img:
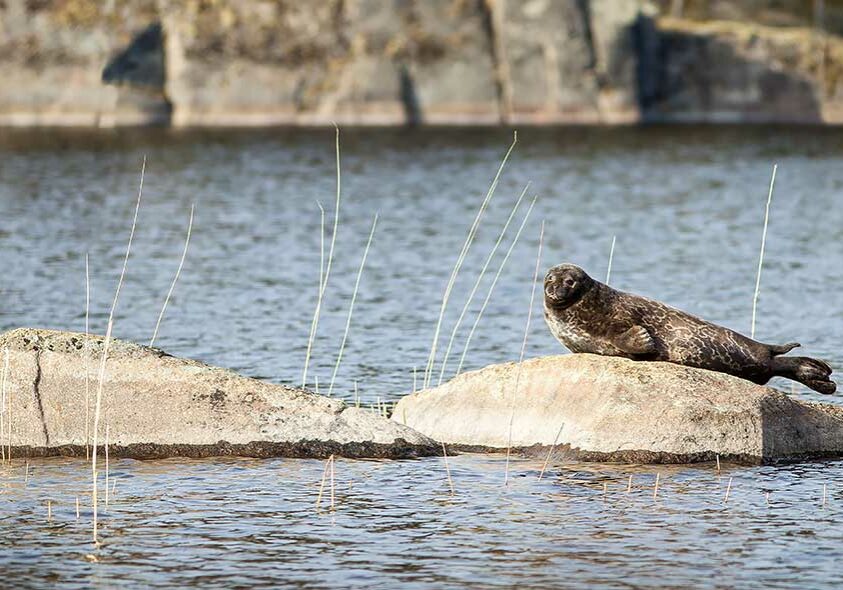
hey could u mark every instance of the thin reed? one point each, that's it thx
(476, 286)
(761, 255)
(431, 360)
(611, 257)
(3, 404)
(87, 359)
(106, 465)
(447, 468)
(314, 325)
(550, 452)
(728, 491)
(524, 343)
(104, 357)
(175, 278)
(322, 483)
(351, 305)
(492, 287)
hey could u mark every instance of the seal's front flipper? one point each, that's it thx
(636, 340)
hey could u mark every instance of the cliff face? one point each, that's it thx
(52, 56)
(388, 62)
(732, 72)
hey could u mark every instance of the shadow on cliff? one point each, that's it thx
(685, 76)
(140, 66)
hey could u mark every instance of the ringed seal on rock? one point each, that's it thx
(589, 316)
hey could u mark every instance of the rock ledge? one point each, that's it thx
(157, 405)
(614, 409)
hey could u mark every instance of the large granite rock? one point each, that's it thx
(615, 409)
(157, 405)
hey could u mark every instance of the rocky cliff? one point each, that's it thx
(392, 62)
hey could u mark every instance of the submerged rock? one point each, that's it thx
(156, 405)
(615, 409)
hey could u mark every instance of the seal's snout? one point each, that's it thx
(564, 284)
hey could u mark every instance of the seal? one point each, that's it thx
(589, 316)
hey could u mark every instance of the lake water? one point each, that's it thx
(686, 206)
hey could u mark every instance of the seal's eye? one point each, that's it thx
(571, 283)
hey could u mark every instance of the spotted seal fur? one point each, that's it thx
(589, 316)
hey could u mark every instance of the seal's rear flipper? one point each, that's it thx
(811, 372)
(777, 349)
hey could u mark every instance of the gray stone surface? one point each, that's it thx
(614, 409)
(157, 405)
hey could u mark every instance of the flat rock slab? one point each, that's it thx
(615, 409)
(156, 405)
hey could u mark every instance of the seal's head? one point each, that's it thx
(564, 285)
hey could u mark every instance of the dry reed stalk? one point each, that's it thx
(322, 484)
(431, 360)
(106, 465)
(351, 305)
(728, 490)
(550, 451)
(321, 243)
(8, 396)
(476, 285)
(492, 287)
(332, 484)
(314, 325)
(97, 407)
(175, 278)
(629, 484)
(825, 493)
(104, 357)
(49, 510)
(87, 359)
(77, 507)
(447, 469)
(605, 490)
(3, 401)
(761, 256)
(717, 457)
(524, 342)
(611, 256)
(316, 384)
(656, 488)
(767, 498)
